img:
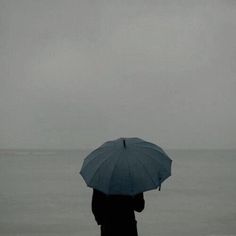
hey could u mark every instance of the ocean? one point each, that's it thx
(42, 193)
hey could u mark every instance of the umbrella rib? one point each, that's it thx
(97, 150)
(161, 150)
(149, 143)
(130, 176)
(169, 174)
(102, 163)
(112, 172)
(154, 159)
(146, 171)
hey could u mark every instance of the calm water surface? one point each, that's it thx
(42, 193)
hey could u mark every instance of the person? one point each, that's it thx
(115, 213)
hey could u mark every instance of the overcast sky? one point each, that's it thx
(76, 73)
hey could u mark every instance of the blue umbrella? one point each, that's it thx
(126, 166)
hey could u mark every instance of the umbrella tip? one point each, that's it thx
(124, 144)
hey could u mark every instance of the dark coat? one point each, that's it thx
(115, 213)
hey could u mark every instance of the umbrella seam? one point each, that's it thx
(95, 172)
(130, 176)
(94, 156)
(154, 159)
(147, 171)
(162, 178)
(91, 161)
(149, 143)
(161, 151)
(141, 147)
(112, 172)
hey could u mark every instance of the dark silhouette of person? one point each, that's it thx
(115, 213)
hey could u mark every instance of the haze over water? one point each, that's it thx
(42, 193)
(74, 74)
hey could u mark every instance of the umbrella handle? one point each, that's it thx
(159, 185)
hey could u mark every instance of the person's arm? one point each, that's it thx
(138, 202)
(98, 201)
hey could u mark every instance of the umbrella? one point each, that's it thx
(126, 166)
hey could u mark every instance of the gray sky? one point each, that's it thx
(76, 73)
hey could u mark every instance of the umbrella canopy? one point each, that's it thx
(126, 166)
